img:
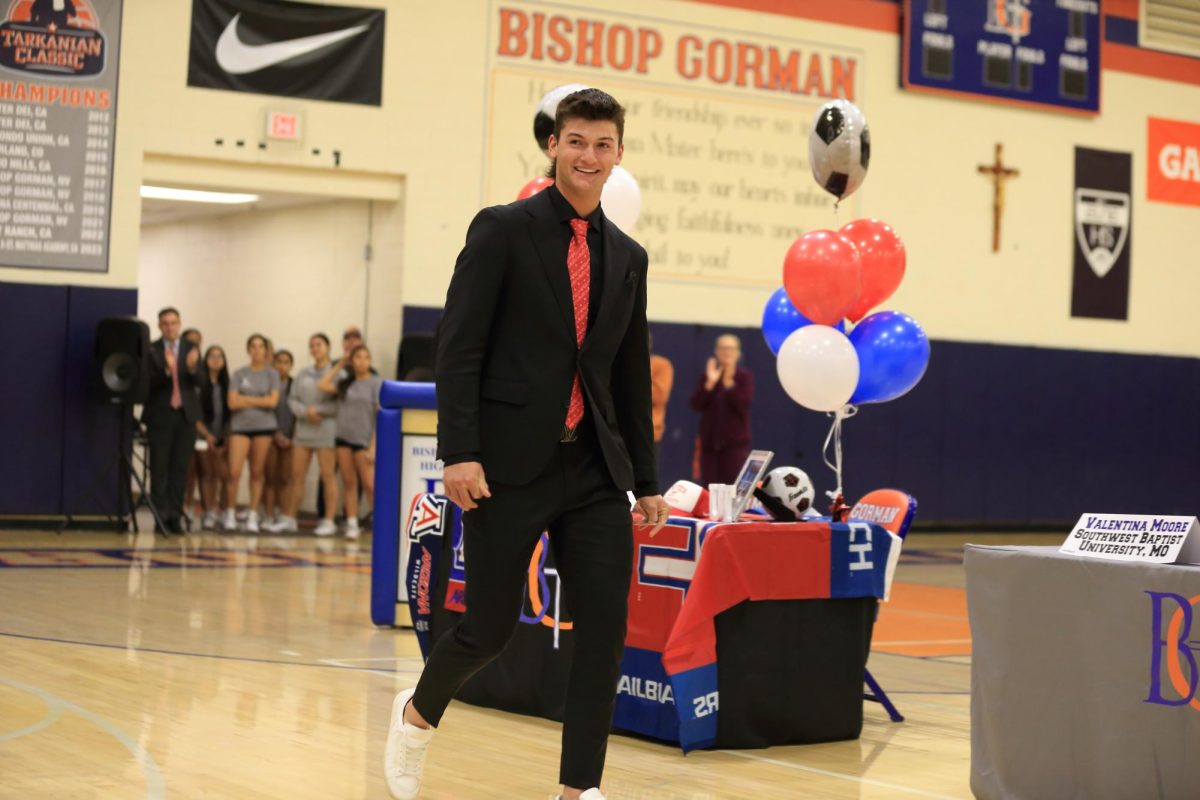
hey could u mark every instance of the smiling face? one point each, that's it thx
(584, 157)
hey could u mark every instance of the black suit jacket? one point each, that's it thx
(158, 402)
(506, 353)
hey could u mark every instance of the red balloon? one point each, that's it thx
(534, 186)
(883, 261)
(821, 275)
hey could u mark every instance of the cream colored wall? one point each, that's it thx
(284, 273)
(454, 133)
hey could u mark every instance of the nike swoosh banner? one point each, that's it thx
(1102, 234)
(288, 49)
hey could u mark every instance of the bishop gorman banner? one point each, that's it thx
(58, 110)
(288, 49)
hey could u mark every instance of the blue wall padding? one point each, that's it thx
(992, 435)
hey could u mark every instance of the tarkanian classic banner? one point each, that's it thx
(1103, 234)
(58, 111)
(288, 49)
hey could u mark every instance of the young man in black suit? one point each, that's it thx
(543, 385)
(170, 415)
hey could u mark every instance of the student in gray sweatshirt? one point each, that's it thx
(253, 395)
(315, 414)
(279, 459)
(357, 387)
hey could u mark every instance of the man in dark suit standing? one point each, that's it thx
(170, 415)
(543, 385)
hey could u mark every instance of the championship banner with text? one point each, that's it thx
(306, 50)
(1102, 233)
(58, 110)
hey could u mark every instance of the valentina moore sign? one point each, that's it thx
(1136, 537)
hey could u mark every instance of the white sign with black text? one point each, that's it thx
(1136, 537)
(420, 473)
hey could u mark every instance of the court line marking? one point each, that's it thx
(159, 651)
(839, 775)
(53, 712)
(156, 786)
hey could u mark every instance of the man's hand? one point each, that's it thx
(654, 511)
(193, 357)
(465, 484)
(712, 372)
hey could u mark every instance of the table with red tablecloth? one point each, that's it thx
(741, 634)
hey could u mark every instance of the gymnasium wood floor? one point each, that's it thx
(229, 666)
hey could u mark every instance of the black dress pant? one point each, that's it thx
(588, 519)
(172, 442)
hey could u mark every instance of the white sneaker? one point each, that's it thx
(252, 522)
(404, 754)
(241, 514)
(590, 794)
(209, 521)
(229, 520)
(326, 527)
(352, 530)
(281, 524)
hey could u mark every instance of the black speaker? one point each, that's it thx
(416, 357)
(123, 360)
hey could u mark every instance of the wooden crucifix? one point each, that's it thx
(1000, 174)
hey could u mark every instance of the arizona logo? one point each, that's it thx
(52, 37)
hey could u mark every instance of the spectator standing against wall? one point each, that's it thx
(170, 413)
(253, 395)
(662, 378)
(723, 396)
(279, 459)
(315, 413)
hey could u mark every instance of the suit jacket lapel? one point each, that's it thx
(545, 232)
(615, 258)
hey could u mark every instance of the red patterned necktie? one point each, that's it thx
(176, 397)
(579, 264)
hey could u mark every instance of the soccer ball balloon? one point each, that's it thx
(543, 118)
(839, 148)
(787, 490)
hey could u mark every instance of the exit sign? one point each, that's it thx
(283, 125)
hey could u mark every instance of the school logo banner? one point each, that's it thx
(1102, 234)
(305, 50)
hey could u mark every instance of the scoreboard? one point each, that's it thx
(1044, 53)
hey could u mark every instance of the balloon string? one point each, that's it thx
(835, 436)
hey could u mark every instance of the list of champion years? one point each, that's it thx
(53, 191)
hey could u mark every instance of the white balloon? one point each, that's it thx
(818, 367)
(550, 100)
(621, 199)
(543, 117)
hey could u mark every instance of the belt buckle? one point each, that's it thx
(569, 435)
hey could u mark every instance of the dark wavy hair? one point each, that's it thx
(590, 104)
(206, 382)
(348, 379)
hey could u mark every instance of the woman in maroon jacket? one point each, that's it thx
(722, 396)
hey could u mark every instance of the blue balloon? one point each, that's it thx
(893, 352)
(780, 319)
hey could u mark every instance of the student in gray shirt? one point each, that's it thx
(279, 459)
(253, 395)
(358, 400)
(213, 427)
(315, 414)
